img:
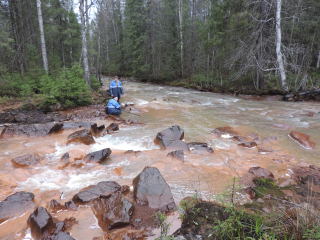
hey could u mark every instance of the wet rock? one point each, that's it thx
(97, 157)
(97, 131)
(306, 175)
(71, 206)
(132, 121)
(264, 151)
(314, 167)
(102, 189)
(63, 236)
(285, 182)
(28, 117)
(200, 147)
(135, 110)
(310, 114)
(248, 144)
(151, 189)
(253, 135)
(124, 188)
(82, 136)
(302, 139)
(177, 155)
(113, 212)
(41, 223)
(113, 127)
(55, 206)
(132, 152)
(225, 132)
(177, 145)
(166, 99)
(65, 158)
(239, 138)
(56, 128)
(115, 118)
(272, 139)
(75, 125)
(33, 130)
(26, 160)
(167, 136)
(258, 141)
(261, 172)
(283, 126)
(189, 101)
(15, 205)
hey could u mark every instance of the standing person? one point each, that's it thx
(114, 107)
(116, 88)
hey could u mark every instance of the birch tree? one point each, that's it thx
(43, 41)
(84, 46)
(278, 48)
(181, 34)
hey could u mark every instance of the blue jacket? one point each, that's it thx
(113, 106)
(114, 90)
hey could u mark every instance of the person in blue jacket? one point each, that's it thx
(116, 88)
(113, 106)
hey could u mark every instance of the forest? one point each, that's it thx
(58, 49)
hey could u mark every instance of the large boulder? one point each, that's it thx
(151, 189)
(41, 224)
(98, 156)
(26, 160)
(178, 145)
(113, 212)
(102, 189)
(16, 205)
(302, 139)
(82, 136)
(167, 136)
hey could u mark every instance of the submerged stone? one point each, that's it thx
(177, 155)
(26, 160)
(151, 189)
(302, 139)
(248, 144)
(225, 131)
(200, 146)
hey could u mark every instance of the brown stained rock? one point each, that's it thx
(200, 147)
(113, 126)
(302, 139)
(26, 160)
(283, 126)
(63, 236)
(248, 144)
(65, 158)
(306, 175)
(71, 206)
(41, 223)
(56, 128)
(96, 130)
(167, 136)
(239, 138)
(250, 192)
(151, 189)
(55, 206)
(98, 156)
(15, 205)
(136, 153)
(177, 155)
(132, 121)
(124, 188)
(310, 114)
(113, 212)
(261, 172)
(225, 131)
(258, 141)
(102, 189)
(264, 151)
(82, 136)
(272, 138)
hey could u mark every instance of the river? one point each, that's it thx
(162, 107)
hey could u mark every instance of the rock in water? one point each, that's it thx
(248, 144)
(99, 156)
(97, 131)
(102, 189)
(113, 212)
(113, 127)
(261, 172)
(177, 155)
(303, 139)
(167, 136)
(82, 136)
(26, 160)
(200, 147)
(41, 223)
(150, 188)
(15, 205)
(225, 132)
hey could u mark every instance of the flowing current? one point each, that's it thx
(162, 107)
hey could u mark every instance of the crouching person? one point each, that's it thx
(113, 106)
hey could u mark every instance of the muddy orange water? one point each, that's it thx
(202, 172)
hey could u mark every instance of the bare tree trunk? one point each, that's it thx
(181, 35)
(43, 41)
(318, 62)
(68, 19)
(33, 37)
(278, 48)
(84, 46)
